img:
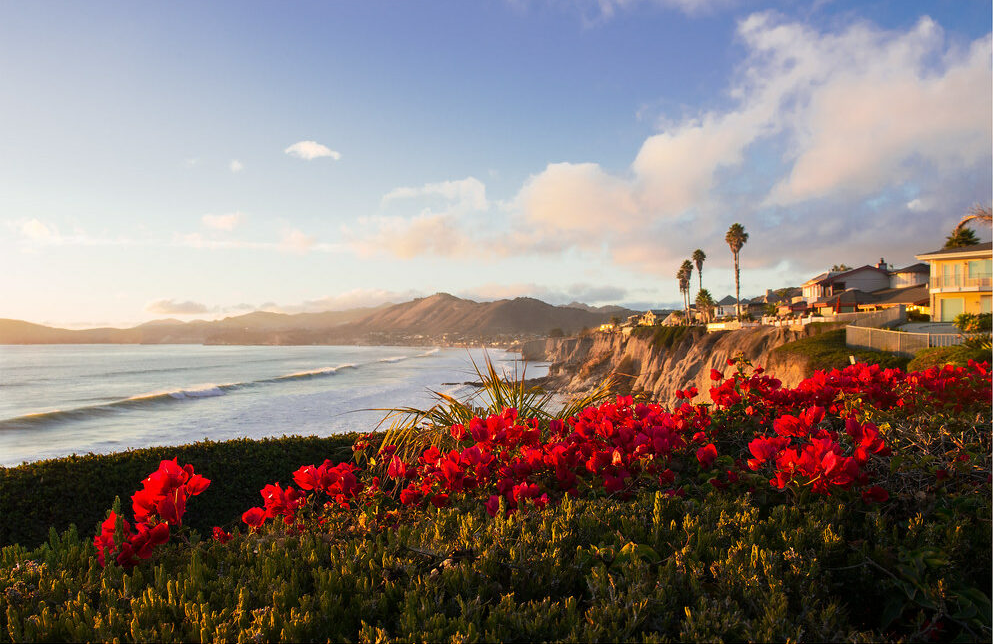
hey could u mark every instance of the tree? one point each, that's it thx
(961, 237)
(840, 268)
(736, 238)
(977, 212)
(685, 275)
(705, 304)
(698, 257)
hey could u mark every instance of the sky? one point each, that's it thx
(198, 160)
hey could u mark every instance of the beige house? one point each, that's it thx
(961, 281)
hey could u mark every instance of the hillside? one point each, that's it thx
(443, 313)
(437, 319)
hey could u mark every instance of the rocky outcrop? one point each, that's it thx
(580, 363)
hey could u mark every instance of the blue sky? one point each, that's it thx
(206, 159)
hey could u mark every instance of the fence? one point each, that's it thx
(863, 333)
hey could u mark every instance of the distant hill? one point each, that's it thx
(424, 320)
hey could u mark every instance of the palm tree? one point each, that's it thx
(685, 275)
(736, 238)
(977, 212)
(705, 303)
(698, 257)
(961, 237)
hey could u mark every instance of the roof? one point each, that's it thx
(907, 295)
(919, 267)
(849, 297)
(727, 300)
(977, 249)
(820, 276)
(831, 276)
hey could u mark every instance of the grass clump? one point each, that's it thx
(958, 355)
(827, 350)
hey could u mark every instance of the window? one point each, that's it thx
(980, 267)
(950, 307)
(986, 303)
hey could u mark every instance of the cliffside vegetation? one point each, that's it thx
(827, 350)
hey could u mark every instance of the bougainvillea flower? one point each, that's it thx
(254, 517)
(220, 535)
(707, 455)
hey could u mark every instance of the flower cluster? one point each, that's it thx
(338, 483)
(803, 453)
(158, 506)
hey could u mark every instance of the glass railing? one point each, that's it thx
(982, 280)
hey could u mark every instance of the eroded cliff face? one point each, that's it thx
(582, 362)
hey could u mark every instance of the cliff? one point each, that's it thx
(660, 361)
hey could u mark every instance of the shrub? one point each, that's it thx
(79, 489)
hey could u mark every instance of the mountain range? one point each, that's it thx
(438, 319)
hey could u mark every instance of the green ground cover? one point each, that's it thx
(827, 350)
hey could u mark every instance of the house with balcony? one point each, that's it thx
(961, 280)
(831, 283)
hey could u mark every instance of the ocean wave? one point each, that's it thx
(312, 373)
(393, 359)
(150, 399)
(428, 354)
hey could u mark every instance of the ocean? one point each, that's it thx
(57, 400)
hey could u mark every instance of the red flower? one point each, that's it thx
(875, 494)
(716, 375)
(707, 455)
(493, 505)
(172, 506)
(254, 517)
(196, 485)
(220, 535)
(397, 468)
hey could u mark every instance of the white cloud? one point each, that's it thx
(236, 166)
(467, 194)
(227, 221)
(295, 241)
(310, 150)
(173, 307)
(918, 205)
(438, 235)
(608, 8)
(37, 231)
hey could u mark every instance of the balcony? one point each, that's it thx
(951, 283)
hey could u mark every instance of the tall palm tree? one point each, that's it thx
(736, 238)
(698, 257)
(686, 270)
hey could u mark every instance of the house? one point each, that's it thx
(673, 319)
(961, 280)
(913, 275)
(725, 307)
(913, 298)
(864, 278)
(652, 317)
